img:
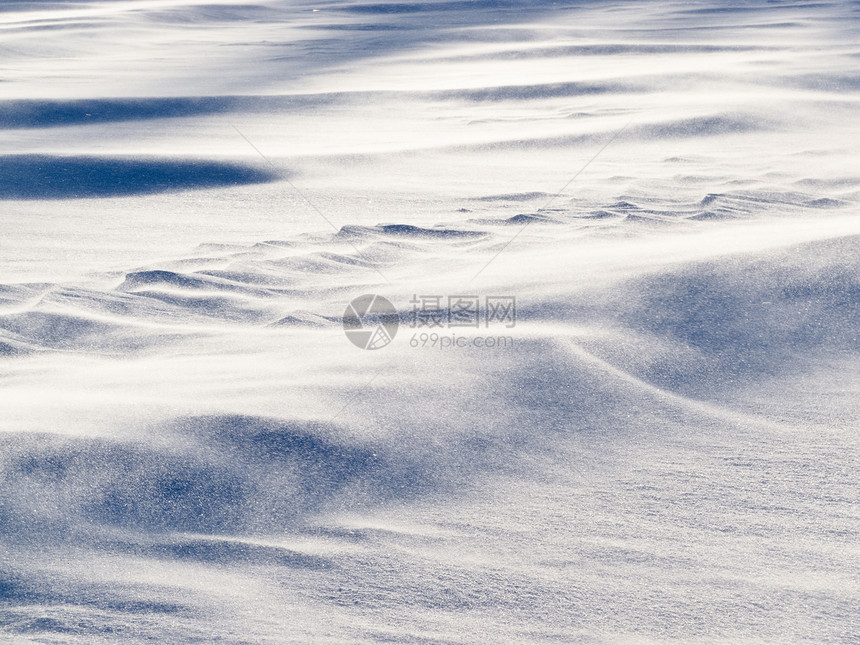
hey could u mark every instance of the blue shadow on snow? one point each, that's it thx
(78, 177)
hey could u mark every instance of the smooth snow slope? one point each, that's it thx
(192, 451)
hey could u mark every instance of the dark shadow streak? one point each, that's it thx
(30, 113)
(58, 177)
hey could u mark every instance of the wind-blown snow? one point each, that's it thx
(192, 451)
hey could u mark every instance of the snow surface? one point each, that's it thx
(191, 192)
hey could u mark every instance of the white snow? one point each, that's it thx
(192, 192)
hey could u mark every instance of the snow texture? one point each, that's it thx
(663, 448)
